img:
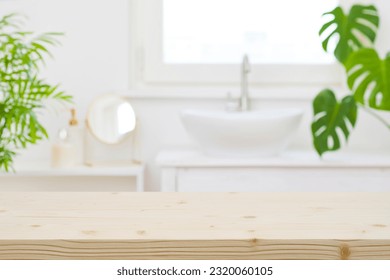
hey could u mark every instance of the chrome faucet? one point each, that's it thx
(245, 70)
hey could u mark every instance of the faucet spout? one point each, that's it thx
(245, 70)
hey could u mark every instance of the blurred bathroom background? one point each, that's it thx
(138, 49)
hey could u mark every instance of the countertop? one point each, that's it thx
(289, 159)
(194, 225)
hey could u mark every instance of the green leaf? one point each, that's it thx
(355, 30)
(369, 78)
(11, 20)
(22, 91)
(332, 120)
(6, 158)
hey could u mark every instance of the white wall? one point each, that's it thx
(93, 59)
(96, 59)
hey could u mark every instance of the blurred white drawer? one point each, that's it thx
(189, 171)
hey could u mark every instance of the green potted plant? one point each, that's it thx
(22, 90)
(368, 76)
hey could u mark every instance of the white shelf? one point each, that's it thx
(44, 170)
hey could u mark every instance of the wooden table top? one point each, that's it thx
(194, 225)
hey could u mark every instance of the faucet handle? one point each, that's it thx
(232, 105)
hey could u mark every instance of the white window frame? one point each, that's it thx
(155, 71)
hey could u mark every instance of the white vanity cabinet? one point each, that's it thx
(190, 171)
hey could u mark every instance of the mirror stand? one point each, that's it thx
(112, 124)
(136, 147)
(134, 155)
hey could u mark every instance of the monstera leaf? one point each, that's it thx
(369, 78)
(354, 31)
(332, 120)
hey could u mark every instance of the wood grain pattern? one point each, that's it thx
(194, 226)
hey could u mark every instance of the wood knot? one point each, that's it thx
(89, 232)
(141, 232)
(379, 226)
(253, 241)
(35, 226)
(182, 202)
(320, 209)
(345, 252)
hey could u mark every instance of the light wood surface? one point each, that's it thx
(194, 226)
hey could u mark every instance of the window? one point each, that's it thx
(205, 40)
(221, 31)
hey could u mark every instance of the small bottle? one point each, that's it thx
(76, 137)
(63, 152)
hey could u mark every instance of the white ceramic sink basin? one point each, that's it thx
(242, 134)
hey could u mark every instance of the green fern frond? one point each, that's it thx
(22, 91)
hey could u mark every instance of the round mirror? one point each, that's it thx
(111, 119)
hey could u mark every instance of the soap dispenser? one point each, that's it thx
(62, 152)
(76, 137)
